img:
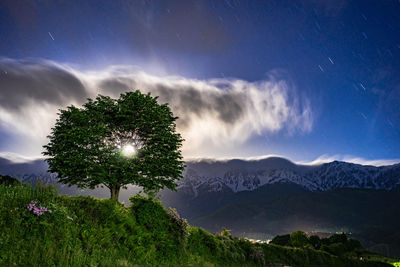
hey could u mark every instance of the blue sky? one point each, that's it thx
(328, 70)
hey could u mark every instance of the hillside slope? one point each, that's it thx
(42, 229)
(370, 215)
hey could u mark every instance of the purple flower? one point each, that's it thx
(31, 205)
(37, 210)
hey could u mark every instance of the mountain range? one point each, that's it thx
(242, 175)
(247, 175)
(262, 198)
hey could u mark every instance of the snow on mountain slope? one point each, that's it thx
(249, 175)
(241, 175)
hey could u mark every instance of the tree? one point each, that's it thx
(116, 142)
(282, 240)
(338, 238)
(298, 239)
(315, 241)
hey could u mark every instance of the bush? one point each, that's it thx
(337, 249)
(315, 241)
(165, 231)
(298, 239)
(202, 241)
(282, 240)
(337, 238)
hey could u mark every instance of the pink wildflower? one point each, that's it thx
(37, 210)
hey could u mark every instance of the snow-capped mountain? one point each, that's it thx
(246, 175)
(240, 175)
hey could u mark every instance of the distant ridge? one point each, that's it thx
(28, 171)
(242, 175)
(246, 175)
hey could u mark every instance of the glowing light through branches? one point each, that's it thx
(128, 151)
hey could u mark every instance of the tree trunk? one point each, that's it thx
(114, 189)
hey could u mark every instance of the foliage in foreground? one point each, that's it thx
(83, 231)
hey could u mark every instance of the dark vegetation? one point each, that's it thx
(83, 231)
(8, 180)
(372, 216)
(337, 244)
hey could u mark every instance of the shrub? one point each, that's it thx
(338, 238)
(180, 222)
(298, 239)
(315, 241)
(166, 233)
(202, 241)
(282, 240)
(337, 249)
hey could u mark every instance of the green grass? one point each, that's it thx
(84, 231)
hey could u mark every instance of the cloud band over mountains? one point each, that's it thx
(212, 112)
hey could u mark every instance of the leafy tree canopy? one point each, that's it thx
(298, 239)
(116, 142)
(315, 241)
(282, 240)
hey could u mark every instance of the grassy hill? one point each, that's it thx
(370, 215)
(41, 228)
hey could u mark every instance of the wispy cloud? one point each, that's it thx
(215, 113)
(17, 158)
(347, 158)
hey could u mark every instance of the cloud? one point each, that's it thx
(218, 112)
(351, 159)
(30, 93)
(38, 80)
(214, 113)
(17, 158)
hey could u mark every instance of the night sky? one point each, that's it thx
(307, 80)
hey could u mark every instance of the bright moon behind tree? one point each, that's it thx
(128, 151)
